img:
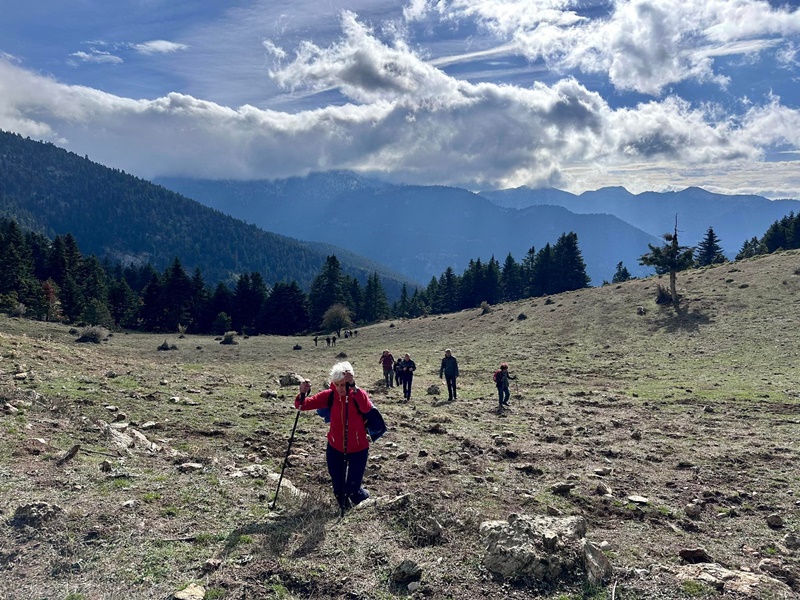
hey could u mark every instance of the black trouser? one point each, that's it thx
(407, 379)
(397, 377)
(451, 387)
(503, 394)
(349, 490)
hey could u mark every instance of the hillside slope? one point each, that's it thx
(115, 215)
(697, 407)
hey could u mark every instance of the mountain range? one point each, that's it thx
(420, 231)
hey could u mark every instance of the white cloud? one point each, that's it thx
(159, 47)
(407, 120)
(95, 56)
(642, 45)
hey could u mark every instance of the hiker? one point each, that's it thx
(449, 369)
(328, 340)
(501, 377)
(398, 373)
(387, 361)
(407, 368)
(333, 340)
(315, 339)
(348, 443)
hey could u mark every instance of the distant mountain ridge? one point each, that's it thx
(735, 218)
(422, 230)
(119, 216)
(419, 231)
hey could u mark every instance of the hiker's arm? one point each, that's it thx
(304, 402)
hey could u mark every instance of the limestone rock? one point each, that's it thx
(540, 549)
(269, 394)
(406, 572)
(726, 581)
(434, 390)
(190, 467)
(35, 514)
(598, 568)
(775, 521)
(290, 379)
(191, 592)
(693, 510)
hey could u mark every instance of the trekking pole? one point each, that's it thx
(343, 502)
(288, 450)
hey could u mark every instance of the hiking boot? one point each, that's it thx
(359, 497)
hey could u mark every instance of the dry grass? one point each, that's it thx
(703, 404)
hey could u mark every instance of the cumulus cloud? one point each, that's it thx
(403, 118)
(159, 47)
(642, 45)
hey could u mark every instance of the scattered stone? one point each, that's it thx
(105, 466)
(603, 489)
(128, 504)
(529, 469)
(437, 428)
(290, 379)
(695, 555)
(434, 390)
(413, 586)
(636, 434)
(562, 488)
(406, 572)
(775, 521)
(402, 456)
(111, 374)
(9, 409)
(212, 564)
(693, 510)
(598, 568)
(190, 467)
(269, 394)
(638, 499)
(708, 409)
(741, 584)
(20, 376)
(35, 514)
(150, 425)
(190, 592)
(791, 541)
(603, 471)
(685, 464)
(781, 572)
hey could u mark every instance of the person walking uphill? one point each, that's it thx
(501, 377)
(387, 361)
(449, 369)
(407, 368)
(348, 443)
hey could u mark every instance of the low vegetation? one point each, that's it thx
(694, 405)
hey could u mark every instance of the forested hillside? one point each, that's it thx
(127, 219)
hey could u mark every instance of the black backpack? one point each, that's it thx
(373, 420)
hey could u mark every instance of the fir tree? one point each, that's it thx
(669, 258)
(621, 274)
(709, 251)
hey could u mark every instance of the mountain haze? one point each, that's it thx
(735, 219)
(124, 218)
(417, 230)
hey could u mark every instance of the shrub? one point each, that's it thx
(663, 296)
(229, 339)
(485, 308)
(297, 347)
(521, 317)
(94, 334)
(167, 346)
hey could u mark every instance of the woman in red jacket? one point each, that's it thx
(348, 443)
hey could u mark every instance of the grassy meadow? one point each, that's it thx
(702, 404)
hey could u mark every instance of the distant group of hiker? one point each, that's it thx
(355, 421)
(330, 340)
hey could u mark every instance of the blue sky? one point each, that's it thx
(646, 94)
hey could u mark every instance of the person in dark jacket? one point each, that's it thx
(387, 362)
(398, 372)
(407, 368)
(449, 370)
(501, 377)
(348, 442)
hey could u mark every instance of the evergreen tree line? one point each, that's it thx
(52, 280)
(783, 234)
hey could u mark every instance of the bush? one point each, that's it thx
(521, 317)
(663, 296)
(229, 339)
(94, 334)
(166, 346)
(297, 347)
(485, 307)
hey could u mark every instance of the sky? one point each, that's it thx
(652, 95)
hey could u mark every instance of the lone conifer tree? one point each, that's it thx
(709, 252)
(669, 258)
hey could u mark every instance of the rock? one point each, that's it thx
(269, 394)
(539, 549)
(190, 592)
(775, 521)
(190, 467)
(603, 489)
(636, 434)
(598, 568)
(780, 571)
(603, 471)
(150, 425)
(111, 374)
(434, 390)
(406, 572)
(726, 581)
(529, 469)
(105, 466)
(211, 565)
(35, 514)
(290, 379)
(693, 510)
(638, 499)
(413, 586)
(9, 409)
(128, 504)
(695, 555)
(791, 541)
(562, 488)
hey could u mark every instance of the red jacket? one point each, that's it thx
(357, 439)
